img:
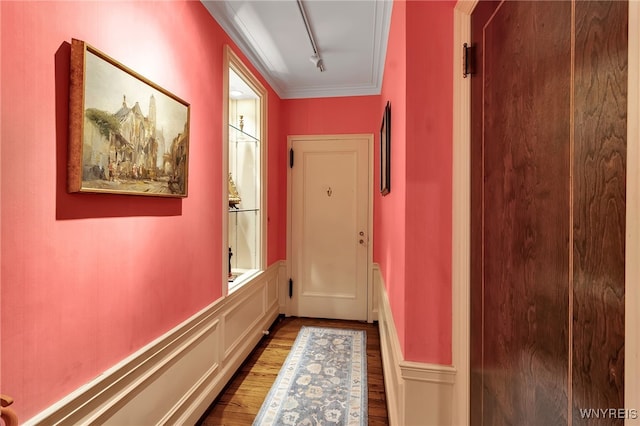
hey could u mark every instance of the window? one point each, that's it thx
(245, 173)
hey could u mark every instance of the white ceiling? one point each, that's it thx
(351, 37)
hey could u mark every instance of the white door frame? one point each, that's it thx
(461, 216)
(370, 153)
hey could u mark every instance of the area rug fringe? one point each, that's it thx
(322, 382)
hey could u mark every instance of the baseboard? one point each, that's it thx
(417, 393)
(175, 378)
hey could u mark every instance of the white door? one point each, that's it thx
(330, 226)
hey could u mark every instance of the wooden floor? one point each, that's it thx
(240, 401)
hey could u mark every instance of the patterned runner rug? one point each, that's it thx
(322, 382)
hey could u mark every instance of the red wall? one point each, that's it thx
(390, 226)
(429, 181)
(355, 114)
(276, 185)
(413, 225)
(89, 279)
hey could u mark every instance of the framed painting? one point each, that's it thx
(127, 135)
(385, 151)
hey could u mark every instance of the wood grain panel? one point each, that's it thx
(548, 185)
(599, 206)
(526, 159)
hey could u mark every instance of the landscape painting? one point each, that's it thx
(127, 135)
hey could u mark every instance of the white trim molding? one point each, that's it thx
(374, 297)
(418, 394)
(460, 333)
(175, 378)
(632, 266)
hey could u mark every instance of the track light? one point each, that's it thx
(317, 61)
(315, 58)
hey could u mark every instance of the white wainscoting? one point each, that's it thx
(418, 394)
(175, 378)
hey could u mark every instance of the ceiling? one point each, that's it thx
(350, 36)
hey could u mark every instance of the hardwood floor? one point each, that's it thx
(240, 401)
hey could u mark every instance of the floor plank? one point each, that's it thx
(240, 401)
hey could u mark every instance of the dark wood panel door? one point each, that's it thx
(599, 186)
(522, 173)
(547, 219)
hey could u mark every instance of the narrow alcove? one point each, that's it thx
(244, 173)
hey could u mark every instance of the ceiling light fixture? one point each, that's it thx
(315, 58)
(235, 93)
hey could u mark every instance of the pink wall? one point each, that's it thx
(89, 279)
(355, 114)
(429, 181)
(413, 227)
(390, 226)
(276, 185)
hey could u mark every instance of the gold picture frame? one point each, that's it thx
(127, 135)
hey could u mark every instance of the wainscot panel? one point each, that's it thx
(374, 302)
(283, 280)
(175, 378)
(271, 289)
(418, 394)
(241, 318)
